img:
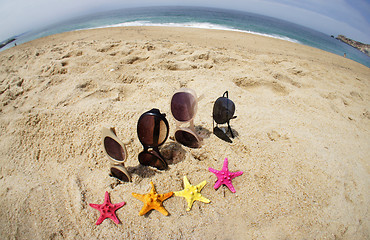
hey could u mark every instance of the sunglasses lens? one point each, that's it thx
(117, 173)
(187, 139)
(151, 159)
(114, 149)
(220, 134)
(152, 131)
(223, 110)
(183, 106)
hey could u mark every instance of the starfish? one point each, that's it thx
(224, 176)
(192, 193)
(153, 200)
(107, 209)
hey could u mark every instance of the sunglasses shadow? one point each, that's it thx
(142, 171)
(224, 133)
(173, 153)
(202, 132)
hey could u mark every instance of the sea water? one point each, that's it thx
(208, 18)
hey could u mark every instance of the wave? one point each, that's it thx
(202, 25)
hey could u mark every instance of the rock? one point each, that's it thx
(365, 48)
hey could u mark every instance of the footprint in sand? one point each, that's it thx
(251, 84)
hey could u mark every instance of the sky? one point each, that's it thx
(332, 17)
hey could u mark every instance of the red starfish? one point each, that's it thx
(107, 209)
(224, 176)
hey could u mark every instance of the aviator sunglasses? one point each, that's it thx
(152, 130)
(117, 153)
(184, 104)
(223, 111)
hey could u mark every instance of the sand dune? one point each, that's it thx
(302, 136)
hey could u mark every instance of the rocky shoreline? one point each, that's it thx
(6, 42)
(365, 48)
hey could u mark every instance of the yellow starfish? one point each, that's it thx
(192, 193)
(153, 200)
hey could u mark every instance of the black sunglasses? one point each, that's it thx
(223, 111)
(152, 130)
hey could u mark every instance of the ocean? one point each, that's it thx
(208, 18)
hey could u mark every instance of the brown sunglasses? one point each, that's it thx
(184, 105)
(117, 153)
(152, 130)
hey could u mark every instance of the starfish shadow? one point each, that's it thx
(146, 215)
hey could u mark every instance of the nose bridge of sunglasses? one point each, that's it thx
(152, 129)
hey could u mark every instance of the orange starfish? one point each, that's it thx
(153, 200)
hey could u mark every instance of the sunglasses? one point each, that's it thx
(117, 153)
(152, 130)
(184, 105)
(223, 111)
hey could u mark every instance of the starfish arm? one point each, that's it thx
(106, 198)
(203, 199)
(179, 193)
(145, 209)
(100, 220)
(153, 191)
(230, 186)
(139, 196)
(118, 205)
(217, 184)
(162, 210)
(225, 166)
(236, 174)
(190, 203)
(186, 182)
(201, 185)
(213, 170)
(96, 206)
(114, 218)
(165, 196)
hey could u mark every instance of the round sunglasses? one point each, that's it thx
(117, 153)
(184, 105)
(223, 112)
(152, 130)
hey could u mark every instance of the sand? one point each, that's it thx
(302, 126)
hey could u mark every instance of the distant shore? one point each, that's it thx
(6, 42)
(365, 48)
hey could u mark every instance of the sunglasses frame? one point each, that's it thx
(226, 138)
(115, 163)
(191, 128)
(154, 148)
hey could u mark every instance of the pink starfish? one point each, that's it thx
(107, 209)
(224, 176)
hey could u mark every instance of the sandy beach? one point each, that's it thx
(302, 126)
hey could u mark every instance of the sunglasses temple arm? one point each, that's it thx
(200, 97)
(232, 134)
(192, 127)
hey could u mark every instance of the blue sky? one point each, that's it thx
(333, 17)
